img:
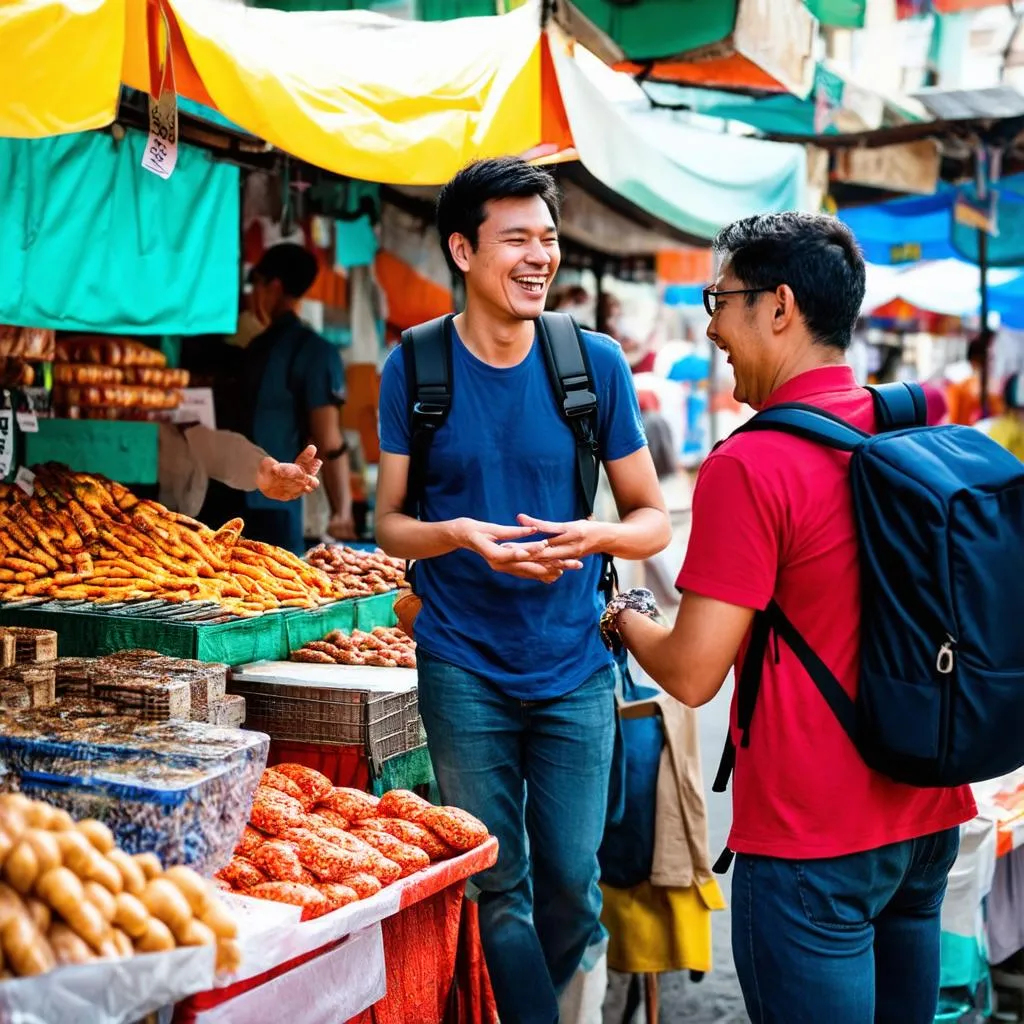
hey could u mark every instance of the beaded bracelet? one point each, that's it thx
(639, 600)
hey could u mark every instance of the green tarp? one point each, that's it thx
(91, 241)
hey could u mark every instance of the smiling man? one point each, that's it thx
(840, 871)
(516, 689)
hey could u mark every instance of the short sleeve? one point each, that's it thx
(620, 426)
(394, 406)
(323, 379)
(733, 551)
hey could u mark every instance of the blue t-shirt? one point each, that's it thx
(504, 450)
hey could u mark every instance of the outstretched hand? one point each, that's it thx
(286, 481)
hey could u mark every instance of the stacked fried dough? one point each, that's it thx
(82, 537)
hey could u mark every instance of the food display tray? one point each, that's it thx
(199, 630)
(337, 704)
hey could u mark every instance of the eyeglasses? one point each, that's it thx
(711, 296)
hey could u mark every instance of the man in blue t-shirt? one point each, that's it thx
(516, 689)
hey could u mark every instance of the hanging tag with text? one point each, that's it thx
(161, 154)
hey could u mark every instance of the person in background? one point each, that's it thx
(191, 455)
(840, 872)
(286, 391)
(965, 396)
(1008, 428)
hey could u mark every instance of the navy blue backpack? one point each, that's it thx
(940, 522)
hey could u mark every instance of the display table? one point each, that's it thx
(389, 959)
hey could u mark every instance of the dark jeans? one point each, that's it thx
(537, 775)
(846, 940)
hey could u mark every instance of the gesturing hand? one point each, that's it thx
(573, 541)
(503, 549)
(285, 481)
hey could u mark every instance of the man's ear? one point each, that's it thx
(785, 308)
(460, 248)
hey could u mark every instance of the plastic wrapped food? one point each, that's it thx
(228, 711)
(312, 901)
(409, 858)
(181, 790)
(352, 804)
(275, 812)
(458, 828)
(401, 803)
(314, 784)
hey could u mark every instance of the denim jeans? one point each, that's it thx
(846, 940)
(537, 775)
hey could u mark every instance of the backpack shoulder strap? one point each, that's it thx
(427, 353)
(573, 383)
(810, 423)
(899, 405)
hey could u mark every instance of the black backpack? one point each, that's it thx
(427, 351)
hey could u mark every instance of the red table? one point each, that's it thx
(431, 955)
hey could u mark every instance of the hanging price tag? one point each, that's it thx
(6, 441)
(25, 479)
(161, 153)
(28, 421)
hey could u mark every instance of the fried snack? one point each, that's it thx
(83, 537)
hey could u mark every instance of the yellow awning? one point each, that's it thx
(352, 92)
(60, 65)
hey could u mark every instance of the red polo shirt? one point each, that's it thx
(772, 516)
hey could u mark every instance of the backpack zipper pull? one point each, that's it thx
(946, 660)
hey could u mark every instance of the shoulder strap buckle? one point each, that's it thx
(579, 403)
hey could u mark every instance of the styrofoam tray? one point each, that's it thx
(340, 677)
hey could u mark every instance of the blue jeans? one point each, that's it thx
(537, 775)
(847, 940)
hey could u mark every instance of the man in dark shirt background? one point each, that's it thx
(284, 391)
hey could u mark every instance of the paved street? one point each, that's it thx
(716, 999)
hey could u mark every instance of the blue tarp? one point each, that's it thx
(924, 228)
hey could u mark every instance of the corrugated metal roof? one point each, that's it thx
(973, 104)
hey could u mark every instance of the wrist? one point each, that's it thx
(600, 538)
(265, 472)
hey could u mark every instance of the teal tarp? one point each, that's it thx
(90, 241)
(696, 181)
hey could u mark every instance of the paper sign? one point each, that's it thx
(196, 407)
(6, 441)
(161, 153)
(28, 422)
(26, 480)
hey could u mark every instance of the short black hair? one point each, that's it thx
(816, 255)
(291, 264)
(461, 204)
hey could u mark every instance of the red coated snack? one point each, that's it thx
(325, 814)
(325, 830)
(308, 878)
(312, 901)
(455, 826)
(401, 803)
(223, 885)
(363, 884)
(273, 779)
(275, 812)
(250, 842)
(241, 873)
(350, 803)
(279, 860)
(329, 862)
(312, 657)
(408, 858)
(337, 894)
(415, 835)
(313, 783)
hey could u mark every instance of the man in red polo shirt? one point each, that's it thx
(840, 872)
